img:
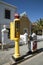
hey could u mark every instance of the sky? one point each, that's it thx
(33, 8)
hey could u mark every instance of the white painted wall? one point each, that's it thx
(3, 21)
(2, 13)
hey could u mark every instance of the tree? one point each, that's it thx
(40, 25)
(37, 26)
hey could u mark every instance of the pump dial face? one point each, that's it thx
(17, 29)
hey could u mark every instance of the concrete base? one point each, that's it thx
(18, 59)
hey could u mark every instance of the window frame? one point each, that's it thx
(7, 16)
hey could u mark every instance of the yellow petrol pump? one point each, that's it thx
(15, 35)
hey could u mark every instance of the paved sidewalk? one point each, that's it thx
(7, 54)
(36, 60)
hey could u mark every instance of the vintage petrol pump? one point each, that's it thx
(15, 35)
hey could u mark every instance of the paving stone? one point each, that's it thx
(6, 64)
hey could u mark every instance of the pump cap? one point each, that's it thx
(16, 15)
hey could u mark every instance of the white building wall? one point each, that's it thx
(3, 20)
(2, 13)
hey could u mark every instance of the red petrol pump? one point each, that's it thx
(15, 35)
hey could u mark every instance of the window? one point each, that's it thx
(7, 14)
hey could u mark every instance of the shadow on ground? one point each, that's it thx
(27, 55)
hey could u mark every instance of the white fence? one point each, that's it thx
(40, 37)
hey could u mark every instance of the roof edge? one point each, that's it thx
(8, 4)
